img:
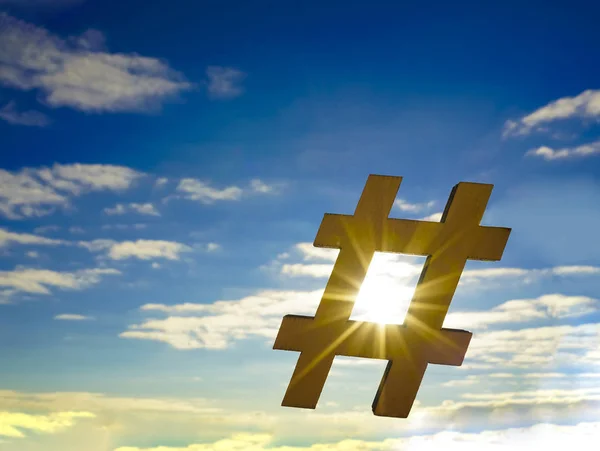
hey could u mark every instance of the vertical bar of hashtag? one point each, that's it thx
(335, 308)
(431, 301)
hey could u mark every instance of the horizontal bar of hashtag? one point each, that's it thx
(372, 340)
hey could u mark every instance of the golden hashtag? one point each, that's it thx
(421, 340)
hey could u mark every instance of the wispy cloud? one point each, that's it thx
(140, 249)
(547, 435)
(12, 424)
(548, 154)
(32, 192)
(7, 237)
(434, 217)
(72, 317)
(524, 310)
(585, 105)
(143, 209)
(224, 82)
(217, 325)
(552, 345)
(203, 192)
(403, 205)
(76, 74)
(30, 118)
(40, 281)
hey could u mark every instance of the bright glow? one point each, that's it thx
(386, 291)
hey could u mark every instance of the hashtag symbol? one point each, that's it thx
(420, 340)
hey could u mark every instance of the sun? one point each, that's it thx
(385, 293)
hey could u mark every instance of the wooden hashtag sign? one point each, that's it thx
(421, 340)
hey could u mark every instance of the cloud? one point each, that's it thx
(12, 424)
(197, 190)
(434, 217)
(98, 402)
(413, 208)
(7, 238)
(310, 252)
(584, 106)
(523, 310)
(46, 229)
(553, 436)
(147, 249)
(124, 226)
(75, 73)
(550, 154)
(471, 276)
(143, 209)
(39, 281)
(314, 270)
(29, 118)
(72, 317)
(260, 187)
(160, 182)
(217, 325)
(32, 192)
(556, 345)
(224, 82)
(194, 189)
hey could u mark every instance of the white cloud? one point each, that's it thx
(39, 281)
(72, 317)
(535, 348)
(118, 209)
(46, 229)
(32, 192)
(140, 249)
(12, 424)
(260, 187)
(217, 325)
(213, 247)
(224, 82)
(7, 237)
(471, 276)
(143, 209)
(585, 106)
(201, 191)
(314, 270)
(523, 310)
(403, 205)
(582, 436)
(123, 226)
(194, 189)
(550, 154)
(29, 118)
(76, 74)
(469, 380)
(434, 217)
(97, 402)
(310, 252)
(161, 181)
(147, 249)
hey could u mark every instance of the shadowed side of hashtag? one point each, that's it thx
(402, 347)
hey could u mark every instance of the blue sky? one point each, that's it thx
(165, 168)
